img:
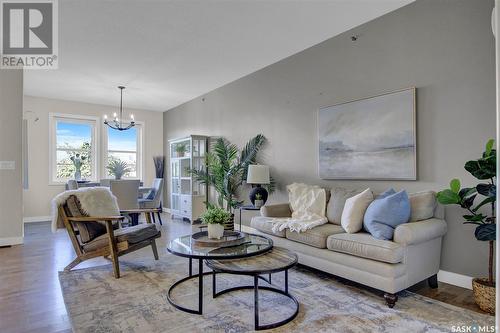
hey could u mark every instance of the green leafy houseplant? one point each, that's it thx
(118, 168)
(215, 215)
(216, 219)
(181, 149)
(227, 168)
(483, 169)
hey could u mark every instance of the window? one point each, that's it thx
(73, 143)
(125, 146)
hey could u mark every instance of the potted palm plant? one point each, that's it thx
(483, 169)
(215, 218)
(118, 168)
(226, 171)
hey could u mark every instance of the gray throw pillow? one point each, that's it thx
(336, 204)
(423, 205)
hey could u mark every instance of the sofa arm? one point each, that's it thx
(278, 210)
(419, 232)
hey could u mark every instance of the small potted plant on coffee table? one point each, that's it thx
(215, 217)
(258, 201)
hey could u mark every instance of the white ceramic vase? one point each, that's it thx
(215, 231)
(258, 203)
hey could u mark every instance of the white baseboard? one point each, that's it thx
(166, 210)
(11, 241)
(36, 219)
(455, 279)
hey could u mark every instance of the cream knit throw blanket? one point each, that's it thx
(94, 201)
(308, 204)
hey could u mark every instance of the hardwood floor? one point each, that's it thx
(30, 295)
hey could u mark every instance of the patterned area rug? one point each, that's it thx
(137, 302)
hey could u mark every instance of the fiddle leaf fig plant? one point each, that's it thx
(483, 169)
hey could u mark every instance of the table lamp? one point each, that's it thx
(257, 176)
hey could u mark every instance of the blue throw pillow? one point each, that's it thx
(386, 212)
(151, 195)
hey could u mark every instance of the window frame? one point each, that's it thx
(54, 118)
(140, 126)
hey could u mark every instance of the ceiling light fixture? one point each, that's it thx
(118, 123)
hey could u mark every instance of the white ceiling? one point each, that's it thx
(169, 52)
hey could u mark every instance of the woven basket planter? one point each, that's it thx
(484, 295)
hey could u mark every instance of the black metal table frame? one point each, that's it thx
(246, 207)
(255, 287)
(200, 275)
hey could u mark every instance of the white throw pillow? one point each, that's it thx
(354, 211)
(336, 204)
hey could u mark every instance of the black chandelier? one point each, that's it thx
(118, 123)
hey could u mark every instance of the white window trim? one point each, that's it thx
(53, 118)
(141, 127)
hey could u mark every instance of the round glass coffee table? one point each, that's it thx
(184, 246)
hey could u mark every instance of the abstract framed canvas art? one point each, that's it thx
(371, 138)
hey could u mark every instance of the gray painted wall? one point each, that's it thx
(444, 48)
(11, 115)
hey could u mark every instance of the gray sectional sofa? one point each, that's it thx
(391, 266)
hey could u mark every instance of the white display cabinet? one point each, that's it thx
(187, 196)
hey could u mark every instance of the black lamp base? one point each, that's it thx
(258, 190)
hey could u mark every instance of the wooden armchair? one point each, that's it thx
(95, 236)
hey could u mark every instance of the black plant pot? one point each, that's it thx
(258, 190)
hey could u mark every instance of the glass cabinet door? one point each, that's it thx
(181, 149)
(176, 177)
(199, 147)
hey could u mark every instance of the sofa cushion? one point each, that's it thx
(386, 212)
(366, 246)
(422, 205)
(276, 210)
(264, 224)
(354, 211)
(88, 230)
(316, 236)
(132, 235)
(336, 204)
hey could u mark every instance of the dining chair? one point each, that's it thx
(105, 182)
(153, 199)
(126, 192)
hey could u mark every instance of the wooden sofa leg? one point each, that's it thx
(73, 264)
(433, 281)
(155, 250)
(390, 299)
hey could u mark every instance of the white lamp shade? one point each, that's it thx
(258, 174)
